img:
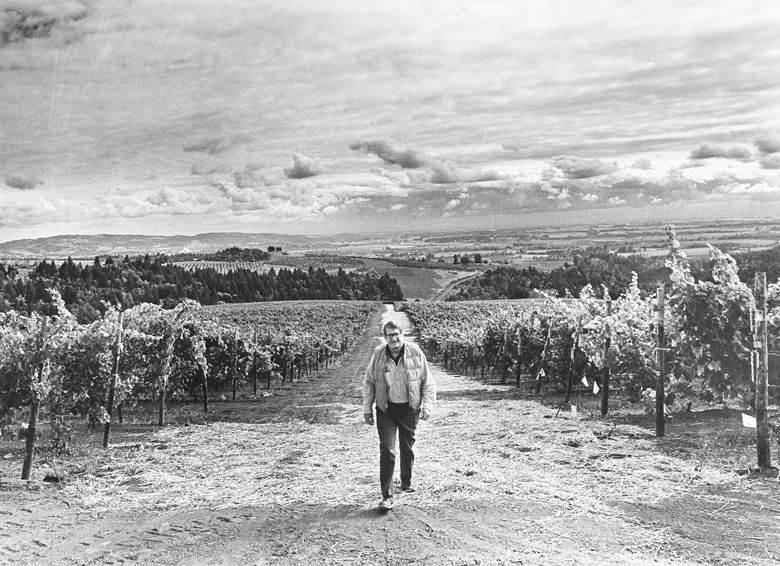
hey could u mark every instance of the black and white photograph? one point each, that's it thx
(335, 282)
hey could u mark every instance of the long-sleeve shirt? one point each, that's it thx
(412, 372)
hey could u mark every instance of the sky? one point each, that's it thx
(316, 117)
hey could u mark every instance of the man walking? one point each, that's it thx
(399, 381)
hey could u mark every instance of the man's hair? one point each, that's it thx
(391, 324)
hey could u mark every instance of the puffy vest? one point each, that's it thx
(416, 373)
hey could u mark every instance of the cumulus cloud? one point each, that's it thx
(556, 193)
(452, 204)
(771, 161)
(23, 182)
(448, 173)
(444, 173)
(400, 178)
(768, 144)
(303, 167)
(579, 168)
(35, 19)
(217, 144)
(167, 201)
(19, 210)
(240, 197)
(398, 206)
(706, 151)
(250, 176)
(406, 158)
(301, 201)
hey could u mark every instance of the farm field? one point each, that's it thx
(503, 477)
(280, 314)
(416, 282)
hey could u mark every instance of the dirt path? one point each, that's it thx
(292, 479)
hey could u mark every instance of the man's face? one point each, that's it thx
(395, 339)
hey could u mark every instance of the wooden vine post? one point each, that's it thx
(254, 363)
(114, 377)
(606, 372)
(35, 408)
(519, 367)
(660, 349)
(198, 349)
(234, 363)
(542, 373)
(762, 372)
(574, 347)
(165, 370)
(495, 361)
(205, 386)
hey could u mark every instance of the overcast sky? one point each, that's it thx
(146, 116)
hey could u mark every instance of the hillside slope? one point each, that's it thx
(291, 478)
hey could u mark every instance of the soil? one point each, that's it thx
(290, 477)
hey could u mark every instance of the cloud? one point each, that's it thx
(706, 151)
(444, 173)
(17, 209)
(297, 201)
(303, 167)
(36, 19)
(579, 168)
(764, 188)
(240, 197)
(406, 158)
(768, 144)
(452, 204)
(398, 206)
(448, 173)
(771, 161)
(23, 182)
(202, 169)
(556, 193)
(217, 145)
(250, 177)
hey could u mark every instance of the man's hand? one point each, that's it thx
(369, 418)
(425, 414)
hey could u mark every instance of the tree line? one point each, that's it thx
(87, 289)
(601, 268)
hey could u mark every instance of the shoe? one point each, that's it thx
(386, 504)
(407, 488)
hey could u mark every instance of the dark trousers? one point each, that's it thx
(401, 421)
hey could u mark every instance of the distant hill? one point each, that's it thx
(83, 246)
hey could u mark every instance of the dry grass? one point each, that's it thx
(481, 445)
(501, 479)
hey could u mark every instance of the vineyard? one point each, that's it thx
(710, 348)
(329, 263)
(54, 366)
(224, 267)
(288, 474)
